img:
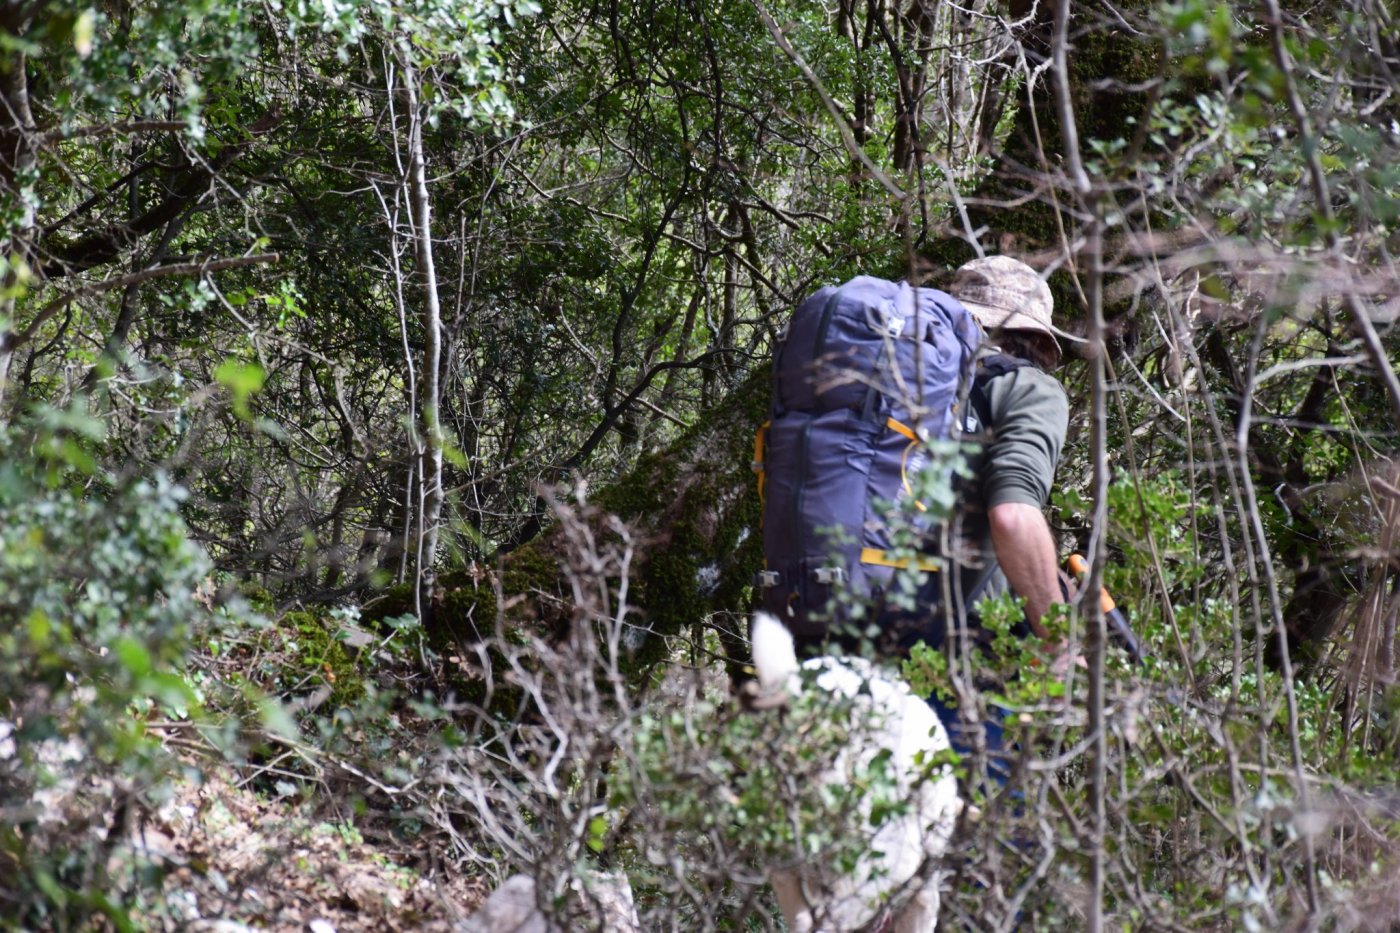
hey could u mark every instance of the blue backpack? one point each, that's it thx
(841, 436)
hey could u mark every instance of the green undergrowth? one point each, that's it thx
(1191, 732)
(321, 651)
(101, 589)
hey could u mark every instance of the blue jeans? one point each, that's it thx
(998, 761)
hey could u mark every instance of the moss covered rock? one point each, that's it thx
(693, 511)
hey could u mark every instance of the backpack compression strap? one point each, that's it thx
(988, 368)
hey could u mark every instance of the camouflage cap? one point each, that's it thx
(1002, 292)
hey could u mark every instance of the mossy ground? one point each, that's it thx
(318, 655)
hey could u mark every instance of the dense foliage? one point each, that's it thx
(99, 586)
(316, 302)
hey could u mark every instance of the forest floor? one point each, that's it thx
(239, 861)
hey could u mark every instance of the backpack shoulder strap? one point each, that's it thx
(988, 368)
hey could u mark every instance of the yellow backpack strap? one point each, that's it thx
(881, 558)
(901, 428)
(760, 437)
(905, 430)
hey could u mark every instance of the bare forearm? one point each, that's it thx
(1026, 551)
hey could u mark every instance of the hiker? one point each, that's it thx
(868, 371)
(1023, 416)
(1023, 413)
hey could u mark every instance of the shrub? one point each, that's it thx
(99, 584)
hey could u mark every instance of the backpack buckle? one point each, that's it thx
(829, 576)
(886, 320)
(765, 579)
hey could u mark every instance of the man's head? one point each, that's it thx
(1008, 296)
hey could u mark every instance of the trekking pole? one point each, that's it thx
(1117, 620)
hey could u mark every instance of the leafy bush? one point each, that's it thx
(1200, 758)
(99, 584)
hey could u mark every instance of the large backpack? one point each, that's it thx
(841, 438)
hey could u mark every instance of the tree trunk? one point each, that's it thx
(430, 426)
(17, 160)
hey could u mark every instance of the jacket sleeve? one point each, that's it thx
(1030, 418)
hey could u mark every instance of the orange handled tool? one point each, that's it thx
(1117, 620)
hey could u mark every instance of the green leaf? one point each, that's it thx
(597, 833)
(83, 31)
(52, 889)
(171, 690)
(134, 656)
(454, 455)
(39, 626)
(242, 380)
(72, 453)
(277, 720)
(1212, 286)
(1188, 15)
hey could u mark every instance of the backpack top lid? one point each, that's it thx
(843, 341)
